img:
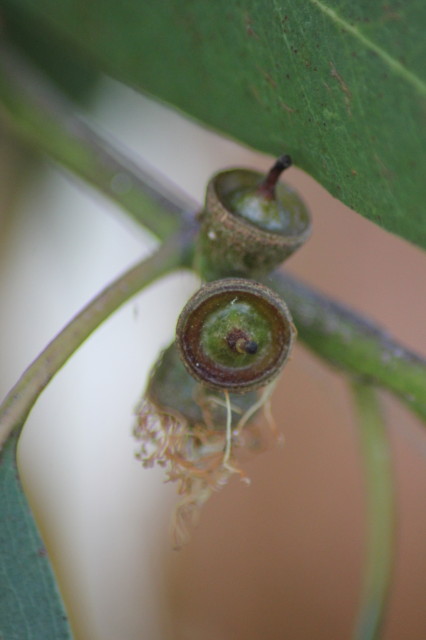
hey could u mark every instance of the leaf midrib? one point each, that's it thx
(389, 60)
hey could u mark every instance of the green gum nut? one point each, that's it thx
(172, 391)
(235, 335)
(250, 223)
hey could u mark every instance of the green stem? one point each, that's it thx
(353, 343)
(380, 513)
(42, 117)
(175, 253)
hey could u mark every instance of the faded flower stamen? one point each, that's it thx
(198, 442)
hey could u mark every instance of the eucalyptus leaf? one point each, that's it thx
(30, 605)
(340, 85)
(70, 73)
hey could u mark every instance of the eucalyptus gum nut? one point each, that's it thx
(235, 335)
(170, 387)
(172, 390)
(231, 244)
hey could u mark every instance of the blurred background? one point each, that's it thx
(280, 559)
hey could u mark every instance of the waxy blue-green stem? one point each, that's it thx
(18, 403)
(380, 517)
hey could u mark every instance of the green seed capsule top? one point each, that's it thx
(234, 334)
(260, 205)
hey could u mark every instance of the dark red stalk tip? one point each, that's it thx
(284, 162)
(267, 187)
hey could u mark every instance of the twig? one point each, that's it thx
(43, 118)
(175, 253)
(353, 343)
(376, 455)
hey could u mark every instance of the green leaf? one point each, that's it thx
(30, 605)
(340, 85)
(65, 68)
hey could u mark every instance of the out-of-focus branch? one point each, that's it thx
(174, 253)
(41, 116)
(351, 342)
(380, 519)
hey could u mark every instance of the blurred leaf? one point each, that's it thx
(65, 67)
(338, 84)
(30, 605)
